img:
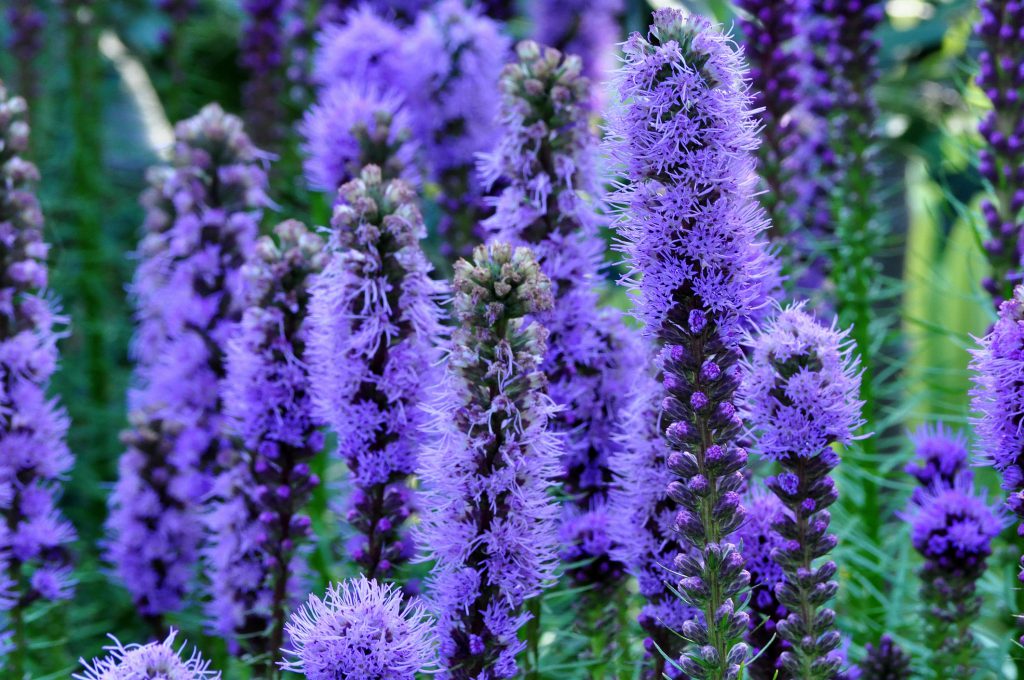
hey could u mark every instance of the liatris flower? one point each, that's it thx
(363, 47)
(940, 456)
(544, 162)
(360, 631)
(689, 226)
(952, 528)
(759, 539)
(202, 222)
(263, 59)
(801, 398)
(886, 661)
(1001, 76)
(354, 124)
(258, 526)
(26, 22)
(489, 521)
(375, 326)
(34, 457)
(154, 661)
(584, 28)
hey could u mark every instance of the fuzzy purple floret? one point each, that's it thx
(34, 457)
(360, 630)
(188, 293)
(153, 660)
(940, 456)
(363, 47)
(489, 521)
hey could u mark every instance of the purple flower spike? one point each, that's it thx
(941, 456)
(885, 661)
(263, 58)
(257, 526)
(375, 326)
(684, 140)
(800, 391)
(142, 662)
(202, 216)
(26, 21)
(360, 631)
(489, 520)
(34, 457)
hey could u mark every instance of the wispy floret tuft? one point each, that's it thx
(940, 456)
(153, 661)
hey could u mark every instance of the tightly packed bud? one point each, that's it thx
(885, 661)
(489, 521)
(375, 327)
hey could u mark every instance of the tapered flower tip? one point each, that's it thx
(154, 661)
(370, 205)
(501, 281)
(360, 630)
(220, 134)
(940, 455)
(954, 526)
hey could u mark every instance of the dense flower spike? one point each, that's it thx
(800, 391)
(34, 457)
(353, 125)
(258, 525)
(262, 55)
(489, 521)
(940, 456)
(201, 225)
(1001, 162)
(544, 162)
(584, 28)
(375, 327)
(154, 661)
(360, 631)
(952, 528)
(689, 226)
(885, 661)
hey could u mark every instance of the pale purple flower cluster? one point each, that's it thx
(588, 29)
(684, 139)
(201, 225)
(373, 345)
(258, 525)
(34, 457)
(800, 391)
(156, 660)
(489, 521)
(544, 163)
(360, 630)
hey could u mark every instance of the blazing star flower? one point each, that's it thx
(886, 661)
(364, 47)
(488, 519)
(952, 528)
(34, 457)
(154, 661)
(263, 58)
(800, 391)
(940, 456)
(374, 328)
(201, 226)
(360, 630)
(684, 140)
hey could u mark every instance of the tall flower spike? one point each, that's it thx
(488, 520)
(375, 326)
(156, 660)
(201, 225)
(262, 54)
(34, 457)
(885, 661)
(544, 162)
(800, 391)
(360, 631)
(689, 225)
(952, 528)
(940, 456)
(1001, 161)
(258, 526)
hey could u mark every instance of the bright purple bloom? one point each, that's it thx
(360, 631)
(34, 457)
(885, 661)
(365, 47)
(940, 456)
(588, 29)
(153, 661)
(489, 520)
(592, 357)
(257, 526)
(354, 124)
(374, 332)
(800, 391)
(263, 58)
(1001, 161)
(201, 225)
(952, 528)
(685, 140)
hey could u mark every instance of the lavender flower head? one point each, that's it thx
(885, 661)
(489, 521)
(375, 326)
(354, 124)
(153, 661)
(34, 457)
(940, 456)
(360, 630)
(258, 526)
(800, 391)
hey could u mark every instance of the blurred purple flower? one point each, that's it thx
(142, 662)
